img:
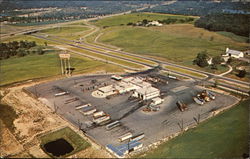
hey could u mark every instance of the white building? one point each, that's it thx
(142, 89)
(146, 93)
(107, 91)
(154, 23)
(233, 53)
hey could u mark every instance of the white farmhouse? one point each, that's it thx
(154, 23)
(233, 53)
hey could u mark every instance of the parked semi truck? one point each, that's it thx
(61, 94)
(203, 96)
(200, 102)
(113, 125)
(182, 106)
(125, 136)
(210, 94)
(138, 137)
(101, 119)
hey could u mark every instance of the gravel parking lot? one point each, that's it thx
(156, 125)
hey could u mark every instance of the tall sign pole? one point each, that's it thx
(65, 64)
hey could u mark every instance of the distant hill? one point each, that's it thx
(200, 8)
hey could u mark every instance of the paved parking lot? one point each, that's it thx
(156, 125)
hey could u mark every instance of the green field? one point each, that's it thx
(233, 36)
(28, 38)
(37, 66)
(70, 136)
(112, 59)
(177, 69)
(224, 136)
(135, 17)
(70, 32)
(171, 42)
(178, 43)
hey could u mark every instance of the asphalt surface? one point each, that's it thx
(155, 125)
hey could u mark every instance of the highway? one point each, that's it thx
(84, 46)
(210, 75)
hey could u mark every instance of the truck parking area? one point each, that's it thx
(125, 115)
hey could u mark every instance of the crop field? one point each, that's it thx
(38, 66)
(224, 136)
(135, 17)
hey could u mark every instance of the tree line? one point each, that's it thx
(235, 23)
(18, 48)
(144, 22)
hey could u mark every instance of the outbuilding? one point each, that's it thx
(233, 53)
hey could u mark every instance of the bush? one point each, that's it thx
(242, 73)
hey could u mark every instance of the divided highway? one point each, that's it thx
(89, 47)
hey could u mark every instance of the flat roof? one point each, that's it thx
(147, 90)
(106, 89)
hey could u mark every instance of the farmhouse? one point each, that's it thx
(233, 53)
(154, 23)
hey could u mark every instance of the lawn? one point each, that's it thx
(37, 66)
(224, 136)
(70, 136)
(135, 17)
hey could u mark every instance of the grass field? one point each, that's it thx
(224, 136)
(70, 32)
(178, 43)
(135, 17)
(28, 38)
(233, 36)
(112, 59)
(37, 66)
(70, 136)
(199, 75)
(171, 42)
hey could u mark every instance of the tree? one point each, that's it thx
(45, 43)
(217, 60)
(40, 51)
(201, 59)
(21, 52)
(144, 22)
(229, 60)
(242, 73)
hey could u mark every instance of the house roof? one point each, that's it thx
(233, 52)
